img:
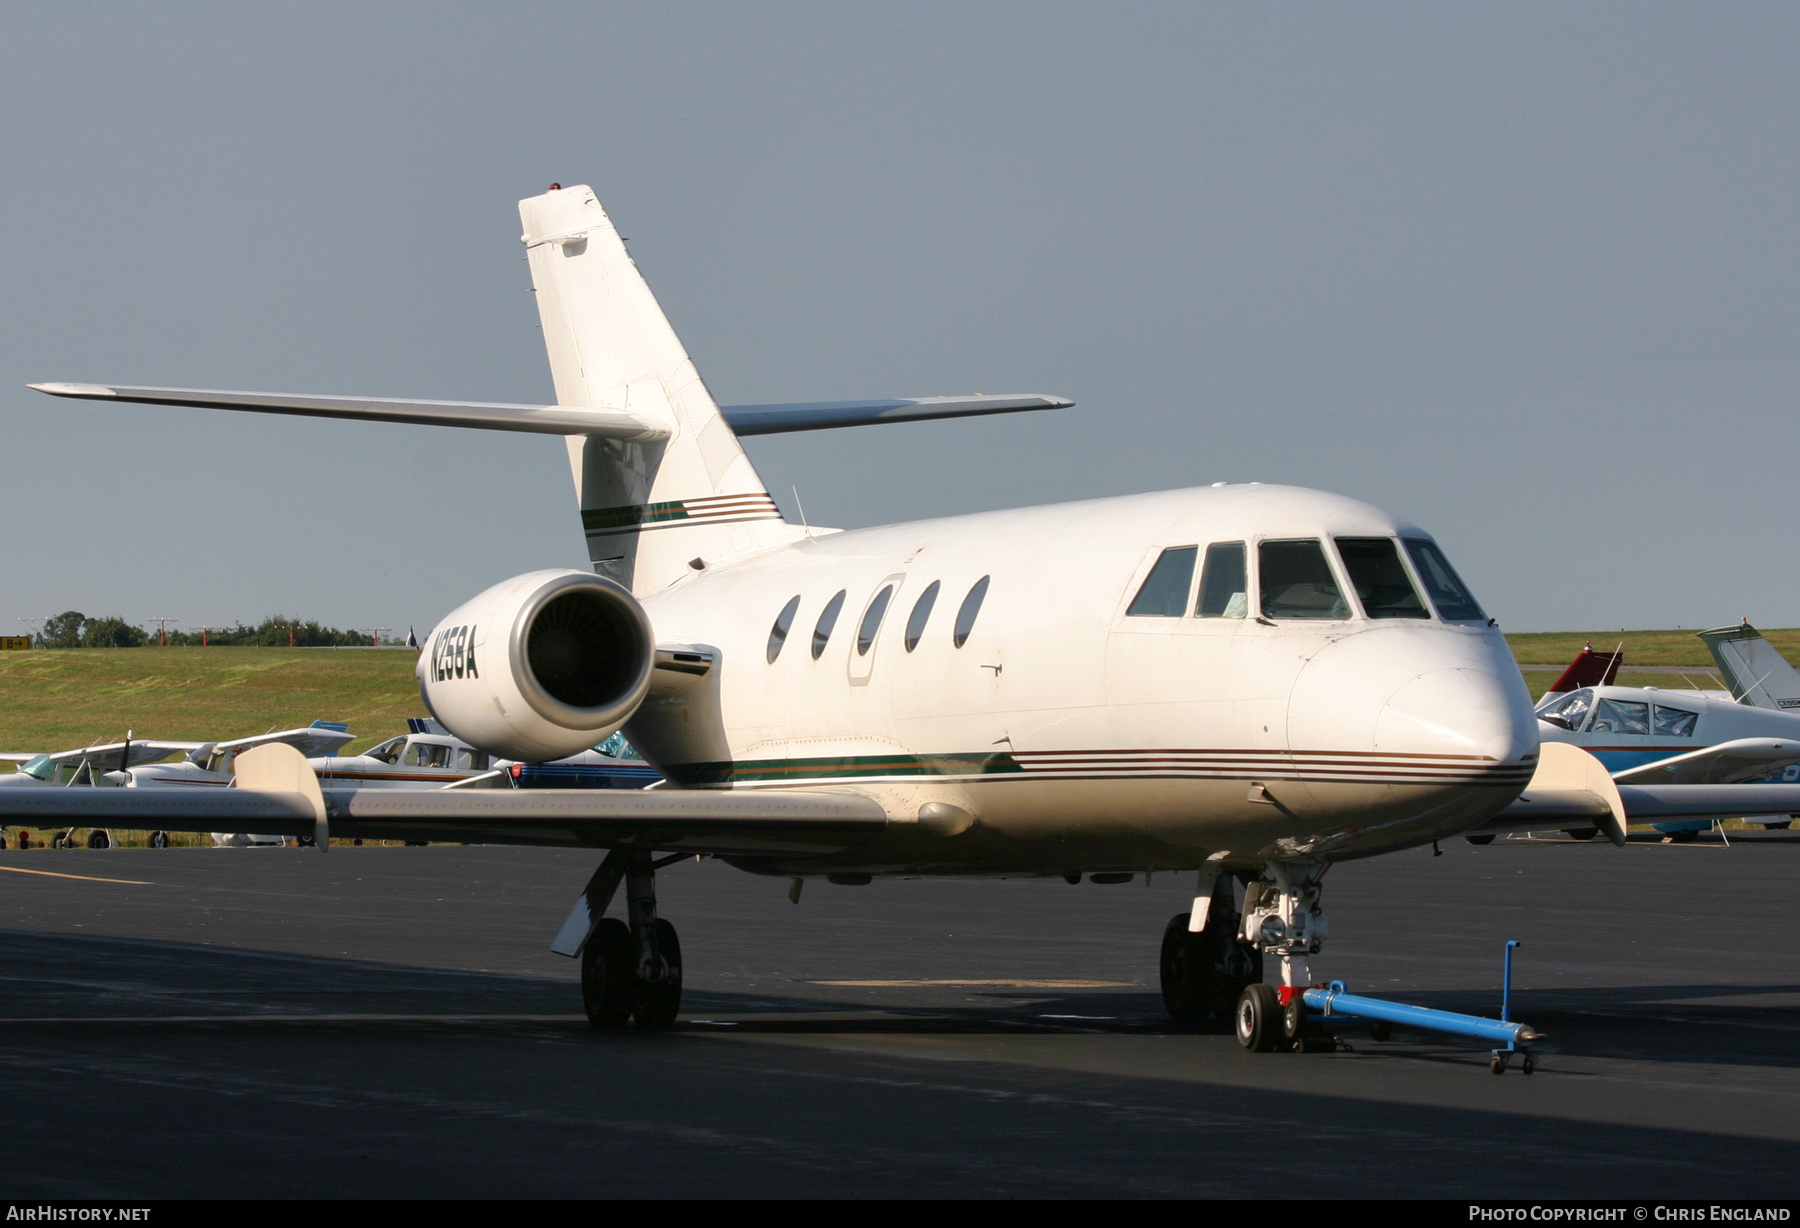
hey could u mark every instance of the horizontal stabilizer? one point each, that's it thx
(479, 415)
(745, 822)
(824, 415)
(563, 419)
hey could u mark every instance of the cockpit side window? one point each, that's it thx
(1224, 588)
(1297, 582)
(1164, 593)
(1675, 722)
(1621, 716)
(1449, 594)
(1568, 711)
(1380, 578)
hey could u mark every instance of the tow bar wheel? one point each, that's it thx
(1259, 1019)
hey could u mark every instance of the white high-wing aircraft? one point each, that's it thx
(1247, 681)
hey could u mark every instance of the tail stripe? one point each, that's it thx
(758, 506)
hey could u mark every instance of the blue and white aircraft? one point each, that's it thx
(1652, 735)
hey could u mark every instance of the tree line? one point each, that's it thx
(73, 629)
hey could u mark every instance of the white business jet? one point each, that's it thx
(1247, 681)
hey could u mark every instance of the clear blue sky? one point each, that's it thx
(1525, 274)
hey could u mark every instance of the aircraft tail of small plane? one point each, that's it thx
(649, 510)
(1589, 668)
(1757, 674)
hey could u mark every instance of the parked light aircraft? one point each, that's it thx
(1661, 736)
(1248, 681)
(430, 756)
(132, 763)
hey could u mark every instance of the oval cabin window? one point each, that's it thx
(967, 612)
(921, 614)
(779, 632)
(827, 620)
(871, 620)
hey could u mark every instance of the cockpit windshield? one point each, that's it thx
(1380, 578)
(41, 767)
(1449, 594)
(1568, 711)
(1297, 582)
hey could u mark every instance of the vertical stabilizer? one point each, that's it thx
(1755, 672)
(647, 510)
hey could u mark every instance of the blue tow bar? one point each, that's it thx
(1334, 1001)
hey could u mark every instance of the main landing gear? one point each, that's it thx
(1205, 969)
(627, 971)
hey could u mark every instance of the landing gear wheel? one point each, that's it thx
(1259, 1019)
(1581, 833)
(1487, 839)
(1781, 826)
(1497, 1063)
(1528, 1065)
(658, 1002)
(606, 975)
(1293, 1023)
(1203, 974)
(2, 839)
(60, 840)
(159, 839)
(1686, 835)
(1380, 1030)
(99, 840)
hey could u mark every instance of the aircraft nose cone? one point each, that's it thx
(1459, 712)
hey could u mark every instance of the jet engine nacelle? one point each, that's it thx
(541, 666)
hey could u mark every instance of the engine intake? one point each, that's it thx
(540, 666)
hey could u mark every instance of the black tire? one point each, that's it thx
(98, 839)
(1497, 1063)
(1293, 1022)
(1184, 995)
(1686, 835)
(607, 975)
(1781, 826)
(1259, 1019)
(1582, 833)
(1380, 1029)
(159, 839)
(2, 839)
(1487, 839)
(657, 1003)
(1203, 974)
(1528, 1065)
(60, 840)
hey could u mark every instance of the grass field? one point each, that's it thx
(56, 700)
(1641, 647)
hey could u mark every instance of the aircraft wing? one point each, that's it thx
(1726, 763)
(564, 419)
(1561, 809)
(111, 757)
(743, 822)
(481, 415)
(310, 741)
